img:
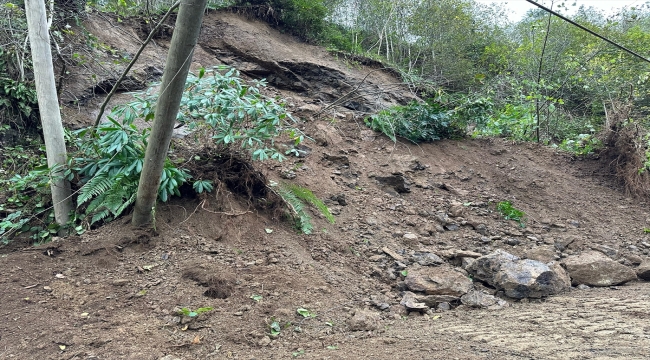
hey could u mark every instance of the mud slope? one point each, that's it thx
(115, 293)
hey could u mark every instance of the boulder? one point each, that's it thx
(529, 278)
(596, 269)
(441, 280)
(485, 267)
(520, 278)
(364, 320)
(643, 271)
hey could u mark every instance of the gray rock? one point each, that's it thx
(485, 267)
(479, 299)
(481, 229)
(444, 306)
(529, 278)
(512, 241)
(441, 280)
(595, 269)
(583, 287)
(442, 218)
(456, 209)
(411, 303)
(643, 271)
(519, 278)
(452, 227)
(426, 259)
(364, 320)
(541, 253)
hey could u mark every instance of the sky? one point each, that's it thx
(517, 8)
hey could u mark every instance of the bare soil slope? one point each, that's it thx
(114, 293)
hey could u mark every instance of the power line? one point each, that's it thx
(589, 31)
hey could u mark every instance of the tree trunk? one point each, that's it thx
(48, 105)
(186, 33)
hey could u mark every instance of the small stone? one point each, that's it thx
(481, 229)
(444, 306)
(512, 241)
(265, 341)
(239, 313)
(456, 209)
(478, 299)
(371, 221)
(583, 287)
(452, 227)
(376, 258)
(426, 259)
(47, 288)
(364, 320)
(120, 282)
(410, 236)
(410, 302)
(392, 254)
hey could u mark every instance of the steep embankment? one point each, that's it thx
(400, 210)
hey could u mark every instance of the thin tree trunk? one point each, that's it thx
(186, 33)
(48, 105)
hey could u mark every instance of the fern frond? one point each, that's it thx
(303, 220)
(99, 184)
(100, 216)
(308, 196)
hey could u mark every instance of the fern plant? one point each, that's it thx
(295, 197)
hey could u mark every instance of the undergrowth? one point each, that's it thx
(105, 165)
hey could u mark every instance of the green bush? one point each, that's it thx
(418, 122)
(105, 165)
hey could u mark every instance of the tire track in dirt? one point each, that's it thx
(588, 324)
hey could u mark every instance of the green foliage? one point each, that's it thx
(18, 102)
(25, 183)
(418, 122)
(109, 162)
(193, 313)
(509, 212)
(514, 121)
(306, 313)
(583, 144)
(238, 113)
(295, 197)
